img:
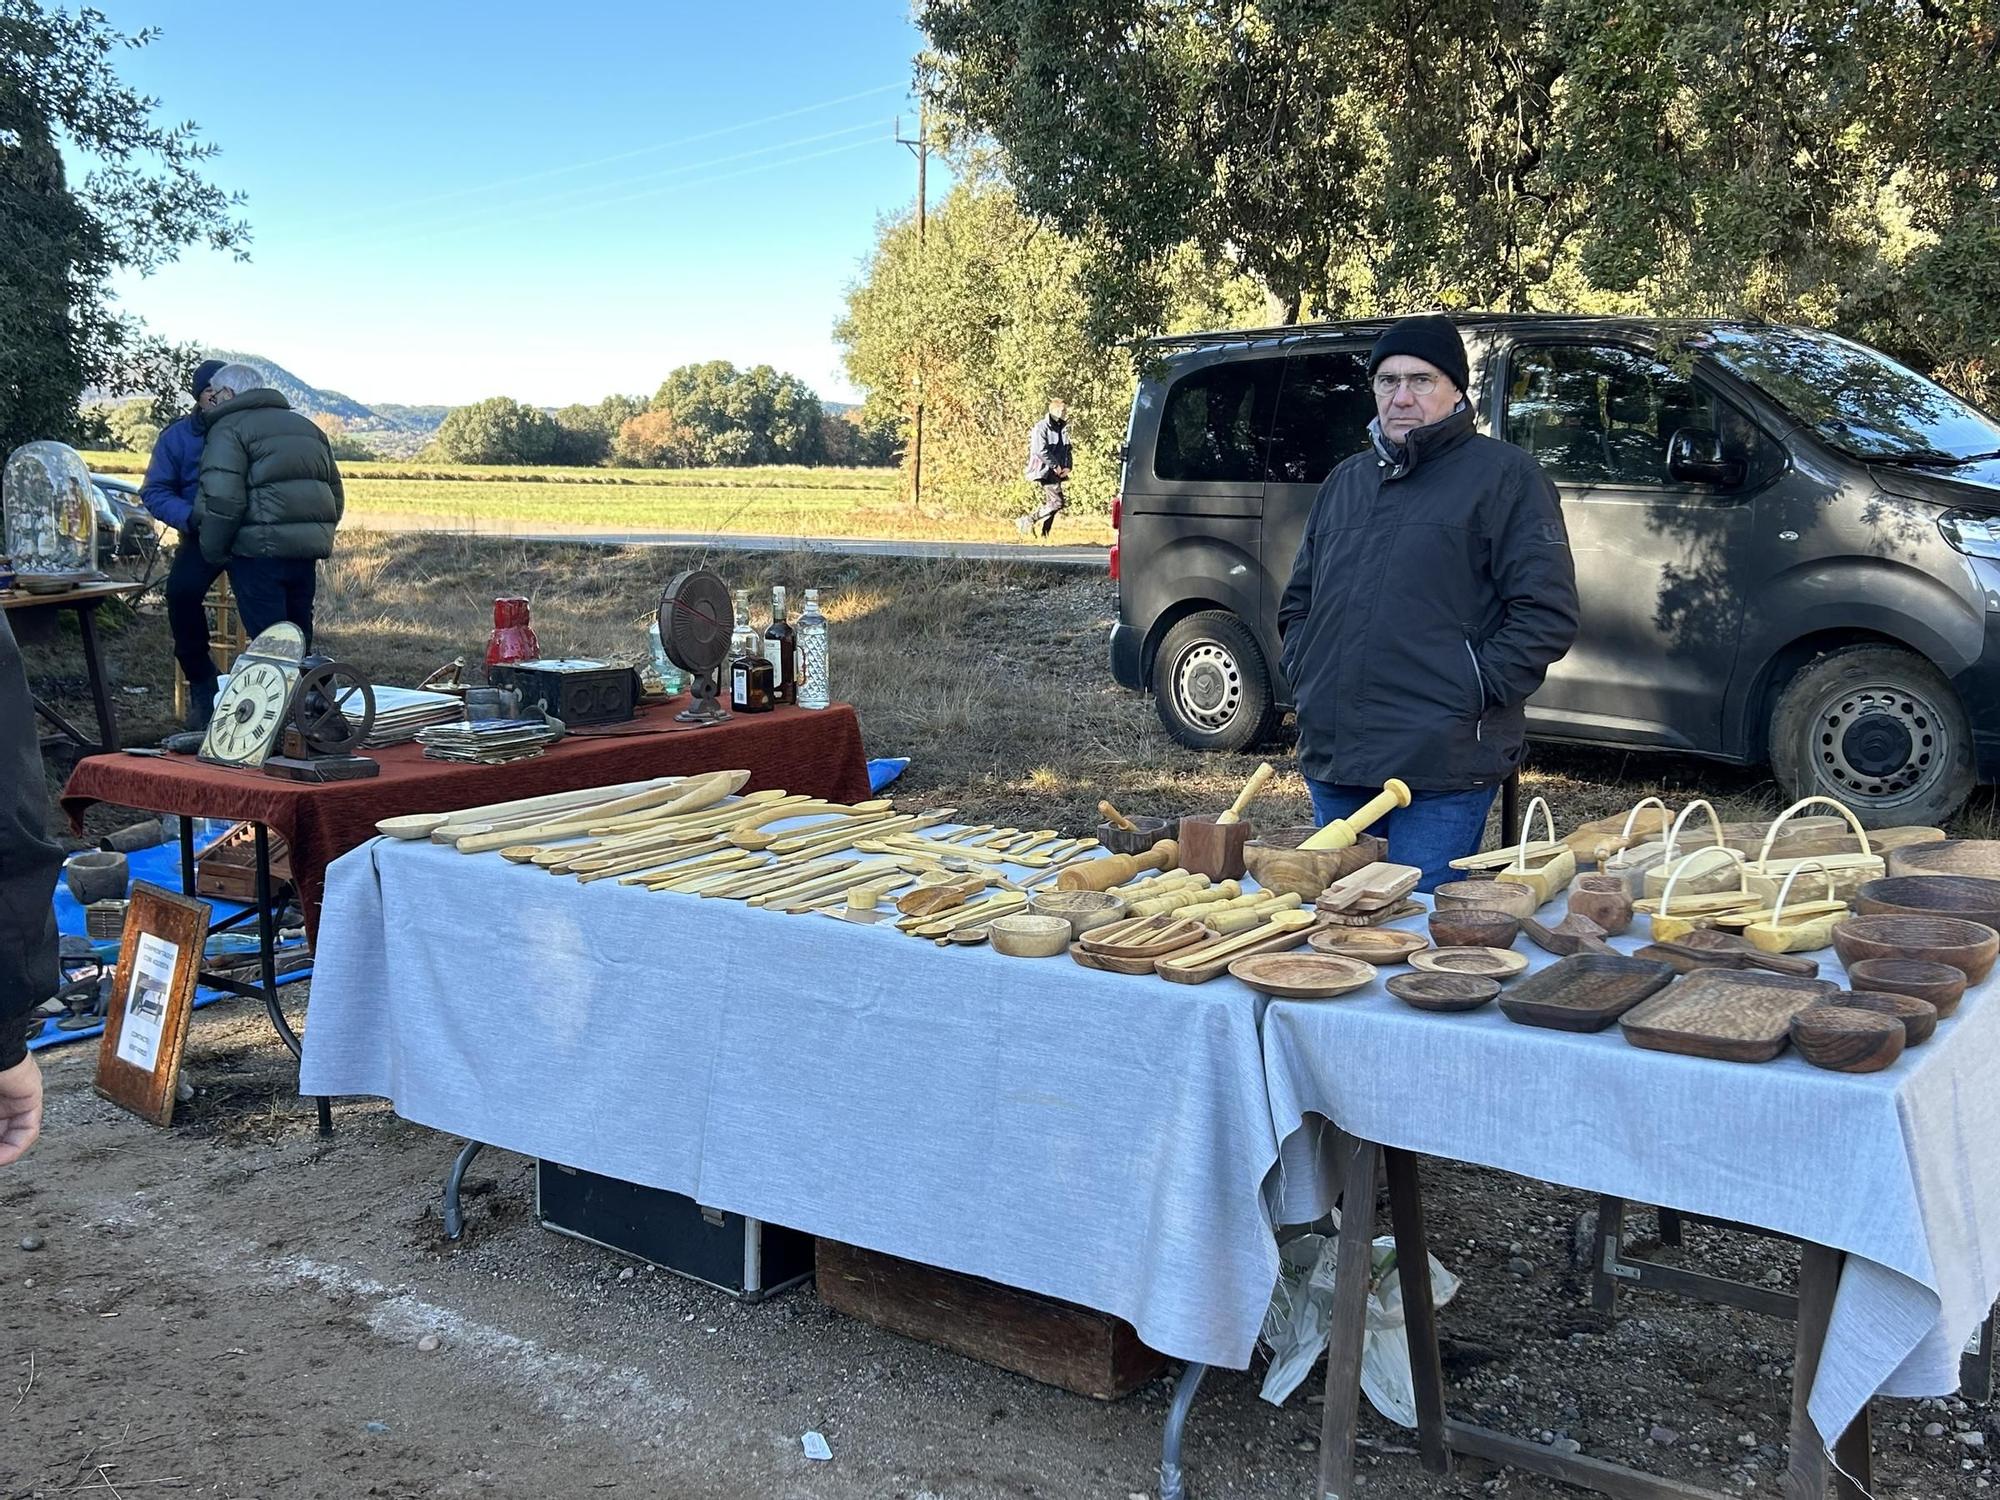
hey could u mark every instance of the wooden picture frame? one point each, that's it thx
(145, 1026)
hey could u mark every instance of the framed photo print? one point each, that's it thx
(145, 1027)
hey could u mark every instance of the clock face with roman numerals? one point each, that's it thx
(251, 713)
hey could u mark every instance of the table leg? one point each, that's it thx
(454, 1226)
(187, 857)
(1975, 1366)
(1670, 1227)
(1806, 1466)
(1347, 1325)
(1610, 1244)
(1413, 1273)
(93, 660)
(267, 964)
(1173, 1483)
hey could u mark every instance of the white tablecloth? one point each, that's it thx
(1897, 1168)
(1092, 1137)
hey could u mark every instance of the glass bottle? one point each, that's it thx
(813, 691)
(671, 679)
(513, 637)
(781, 650)
(750, 676)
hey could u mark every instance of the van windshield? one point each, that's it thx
(1854, 397)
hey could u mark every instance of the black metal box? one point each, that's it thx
(577, 692)
(747, 1258)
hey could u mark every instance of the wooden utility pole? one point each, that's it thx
(922, 150)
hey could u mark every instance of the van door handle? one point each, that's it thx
(1788, 536)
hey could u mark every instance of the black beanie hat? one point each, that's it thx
(203, 374)
(1432, 338)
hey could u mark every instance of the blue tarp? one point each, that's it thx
(882, 772)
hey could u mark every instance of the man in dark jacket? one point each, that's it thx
(28, 863)
(1049, 463)
(269, 501)
(1433, 589)
(173, 476)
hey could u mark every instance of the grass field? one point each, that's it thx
(787, 501)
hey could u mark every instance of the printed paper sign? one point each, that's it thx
(146, 1000)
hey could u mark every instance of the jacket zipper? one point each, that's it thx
(1479, 682)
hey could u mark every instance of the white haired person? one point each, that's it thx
(268, 501)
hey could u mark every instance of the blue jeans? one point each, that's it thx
(270, 589)
(1435, 829)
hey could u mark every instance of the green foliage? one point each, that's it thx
(498, 430)
(143, 198)
(131, 427)
(1831, 162)
(588, 432)
(983, 320)
(857, 440)
(754, 416)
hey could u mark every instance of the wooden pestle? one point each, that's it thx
(1256, 784)
(1116, 818)
(1116, 869)
(1342, 832)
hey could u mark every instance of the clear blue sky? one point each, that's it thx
(550, 202)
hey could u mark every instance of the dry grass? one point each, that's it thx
(992, 677)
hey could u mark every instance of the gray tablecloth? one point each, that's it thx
(1092, 1137)
(1897, 1168)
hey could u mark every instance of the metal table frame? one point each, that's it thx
(84, 600)
(267, 947)
(1807, 1472)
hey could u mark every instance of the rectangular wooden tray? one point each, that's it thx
(1737, 1016)
(1585, 992)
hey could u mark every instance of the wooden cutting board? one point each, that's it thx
(1706, 948)
(1721, 1013)
(1586, 992)
(1370, 888)
(1373, 918)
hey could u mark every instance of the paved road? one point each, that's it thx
(1038, 552)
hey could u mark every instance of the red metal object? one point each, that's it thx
(513, 638)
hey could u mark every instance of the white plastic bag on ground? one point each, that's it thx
(1295, 1325)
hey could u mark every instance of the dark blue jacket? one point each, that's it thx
(173, 474)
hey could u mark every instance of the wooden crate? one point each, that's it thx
(1058, 1343)
(226, 637)
(227, 868)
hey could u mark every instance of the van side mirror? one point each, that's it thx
(1695, 456)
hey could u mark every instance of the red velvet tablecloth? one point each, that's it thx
(817, 752)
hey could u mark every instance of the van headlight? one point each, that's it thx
(1971, 532)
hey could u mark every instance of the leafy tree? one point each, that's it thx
(655, 440)
(754, 416)
(345, 445)
(1833, 161)
(588, 432)
(143, 198)
(848, 440)
(498, 430)
(130, 426)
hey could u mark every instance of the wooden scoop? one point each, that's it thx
(1259, 778)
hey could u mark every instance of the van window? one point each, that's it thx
(1604, 414)
(1324, 409)
(1215, 421)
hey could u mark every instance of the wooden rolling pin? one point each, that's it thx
(1116, 818)
(1116, 869)
(1258, 779)
(1342, 832)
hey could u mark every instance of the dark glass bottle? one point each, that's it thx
(750, 678)
(781, 648)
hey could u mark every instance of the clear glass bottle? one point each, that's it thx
(781, 649)
(750, 676)
(672, 680)
(814, 690)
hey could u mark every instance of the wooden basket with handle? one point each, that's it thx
(1848, 871)
(1628, 856)
(1799, 929)
(1696, 911)
(1545, 866)
(1704, 870)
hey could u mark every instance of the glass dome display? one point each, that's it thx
(51, 526)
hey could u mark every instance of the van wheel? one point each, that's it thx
(1878, 728)
(1211, 685)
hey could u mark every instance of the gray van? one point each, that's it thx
(1787, 544)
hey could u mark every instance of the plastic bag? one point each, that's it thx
(1296, 1323)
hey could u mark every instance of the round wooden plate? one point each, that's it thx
(1487, 963)
(1303, 976)
(1374, 945)
(1443, 992)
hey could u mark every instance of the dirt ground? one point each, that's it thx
(235, 1307)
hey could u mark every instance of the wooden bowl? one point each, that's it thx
(1487, 895)
(1082, 910)
(1965, 896)
(1472, 927)
(1966, 946)
(1372, 945)
(1605, 899)
(1302, 976)
(1486, 963)
(1137, 839)
(1025, 935)
(1973, 857)
(1276, 862)
(1939, 984)
(1847, 1040)
(1919, 1017)
(1445, 993)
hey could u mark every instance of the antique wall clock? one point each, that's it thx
(252, 712)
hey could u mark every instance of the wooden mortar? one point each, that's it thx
(1141, 836)
(1278, 864)
(1213, 848)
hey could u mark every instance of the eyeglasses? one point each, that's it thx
(1416, 385)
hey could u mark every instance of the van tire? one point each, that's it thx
(1878, 728)
(1211, 684)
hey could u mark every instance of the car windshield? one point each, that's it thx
(1854, 397)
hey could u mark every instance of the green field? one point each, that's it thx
(768, 502)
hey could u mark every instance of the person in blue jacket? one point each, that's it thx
(173, 479)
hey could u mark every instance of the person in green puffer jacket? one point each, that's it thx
(269, 499)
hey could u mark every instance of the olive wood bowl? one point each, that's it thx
(1939, 984)
(1488, 895)
(1966, 946)
(1919, 1017)
(1965, 896)
(1473, 927)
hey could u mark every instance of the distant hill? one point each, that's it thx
(392, 430)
